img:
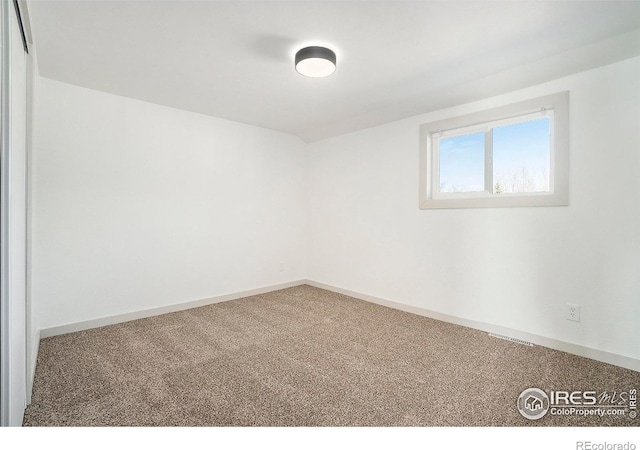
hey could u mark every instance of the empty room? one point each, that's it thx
(320, 214)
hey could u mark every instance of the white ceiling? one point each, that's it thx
(234, 59)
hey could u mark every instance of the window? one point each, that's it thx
(514, 155)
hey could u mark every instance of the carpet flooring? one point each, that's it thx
(302, 356)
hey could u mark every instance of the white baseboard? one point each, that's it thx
(111, 320)
(568, 347)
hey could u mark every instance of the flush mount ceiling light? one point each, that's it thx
(315, 62)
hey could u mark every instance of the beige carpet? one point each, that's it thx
(302, 357)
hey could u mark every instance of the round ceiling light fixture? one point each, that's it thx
(315, 62)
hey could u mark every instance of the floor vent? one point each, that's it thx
(510, 339)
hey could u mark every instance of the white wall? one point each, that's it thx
(513, 267)
(14, 374)
(138, 206)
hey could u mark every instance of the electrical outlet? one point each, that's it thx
(281, 267)
(573, 312)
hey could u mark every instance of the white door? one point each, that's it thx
(13, 96)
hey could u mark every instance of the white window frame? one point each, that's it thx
(555, 107)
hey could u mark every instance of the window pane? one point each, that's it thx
(462, 163)
(521, 157)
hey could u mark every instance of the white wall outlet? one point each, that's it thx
(281, 267)
(573, 312)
